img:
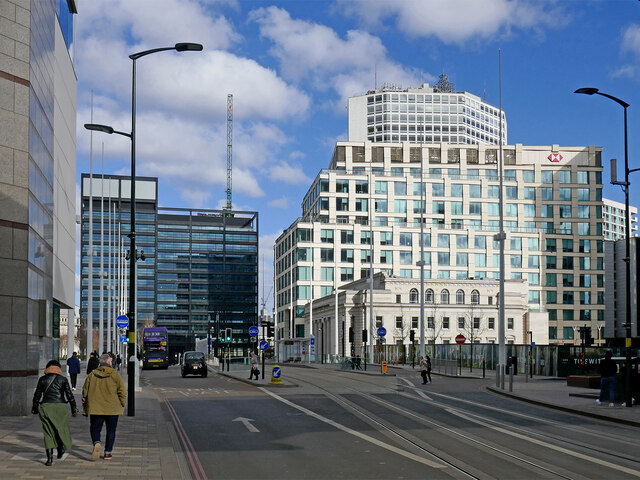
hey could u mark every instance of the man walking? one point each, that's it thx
(608, 370)
(93, 362)
(73, 366)
(104, 395)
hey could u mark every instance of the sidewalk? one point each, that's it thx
(552, 392)
(146, 446)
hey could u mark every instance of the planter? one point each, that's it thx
(583, 381)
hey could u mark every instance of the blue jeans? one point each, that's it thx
(607, 383)
(95, 428)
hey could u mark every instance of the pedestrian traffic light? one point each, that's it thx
(270, 331)
(350, 334)
(222, 336)
(364, 335)
(228, 335)
(412, 336)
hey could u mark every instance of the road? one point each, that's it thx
(344, 425)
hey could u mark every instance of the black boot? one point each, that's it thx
(49, 457)
(61, 451)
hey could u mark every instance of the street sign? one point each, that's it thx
(383, 366)
(122, 321)
(313, 340)
(276, 375)
(460, 339)
(253, 331)
(264, 345)
(382, 331)
(123, 339)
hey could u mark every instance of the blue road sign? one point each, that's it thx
(313, 340)
(276, 372)
(382, 331)
(264, 345)
(123, 339)
(253, 331)
(122, 321)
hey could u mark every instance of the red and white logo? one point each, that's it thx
(554, 157)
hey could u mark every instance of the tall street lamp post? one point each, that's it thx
(627, 224)
(131, 353)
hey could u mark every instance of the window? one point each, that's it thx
(443, 240)
(431, 322)
(400, 206)
(346, 255)
(400, 188)
(381, 188)
(445, 322)
(362, 205)
(326, 273)
(462, 260)
(462, 241)
(476, 323)
(346, 237)
(378, 322)
(365, 238)
(386, 238)
(583, 194)
(491, 323)
(405, 239)
(567, 333)
(399, 322)
(564, 194)
(510, 323)
(461, 322)
(546, 193)
(529, 193)
(475, 191)
(398, 298)
(480, 259)
(460, 297)
(529, 176)
(326, 236)
(438, 190)
(362, 186)
(564, 176)
(546, 176)
(475, 297)
(381, 205)
(444, 297)
(582, 177)
(444, 259)
(342, 186)
(413, 296)
(438, 208)
(342, 204)
(406, 258)
(428, 296)
(475, 208)
(386, 256)
(480, 241)
(346, 274)
(456, 190)
(326, 254)
(414, 322)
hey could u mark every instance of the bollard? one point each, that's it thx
(484, 365)
(501, 377)
(511, 380)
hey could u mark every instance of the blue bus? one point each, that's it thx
(155, 348)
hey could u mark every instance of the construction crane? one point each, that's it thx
(229, 145)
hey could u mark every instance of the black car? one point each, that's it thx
(193, 363)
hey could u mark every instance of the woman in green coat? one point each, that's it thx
(49, 401)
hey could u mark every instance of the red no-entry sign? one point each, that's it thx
(460, 339)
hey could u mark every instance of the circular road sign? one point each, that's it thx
(460, 339)
(382, 331)
(264, 345)
(122, 321)
(123, 339)
(253, 331)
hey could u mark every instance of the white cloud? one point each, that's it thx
(631, 39)
(456, 21)
(315, 53)
(282, 202)
(628, 71)
(284, 172)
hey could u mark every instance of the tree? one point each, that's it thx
(433, 325)
(473, 330)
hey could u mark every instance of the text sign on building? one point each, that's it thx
(122, 321)
(555, 157)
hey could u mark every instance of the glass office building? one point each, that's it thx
(195, 268)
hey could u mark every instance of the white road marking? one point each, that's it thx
(416, 389)
(355, 433)
(37, 456)
(468, 416)
(245, 422)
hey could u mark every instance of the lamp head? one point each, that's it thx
(183, 47)
(587, 90)
(99, 128)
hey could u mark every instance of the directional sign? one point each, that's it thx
(382, 331)
(253, 331)
(122, 321)
(123, 339)
(264, 345)
(313, 340)
(276, 375)
(460, 339)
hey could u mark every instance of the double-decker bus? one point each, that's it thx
(155, 348)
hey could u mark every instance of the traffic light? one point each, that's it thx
(228, 335)
(588, 339)
(364, 335)
(412, 336)
(222, 336)
(350, 334)
(270, 331)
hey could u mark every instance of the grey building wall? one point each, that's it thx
(29, 64)
(616, 290)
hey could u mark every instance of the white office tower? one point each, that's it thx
(371, 196)
(424, 115)
(614, 227)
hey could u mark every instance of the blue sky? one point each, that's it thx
(291, 65)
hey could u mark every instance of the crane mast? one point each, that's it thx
(229, 146)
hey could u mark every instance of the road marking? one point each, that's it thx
(196, 466)
(355, 433)
(245, 422)
(36, 456)
(468, 416)
(416, 389)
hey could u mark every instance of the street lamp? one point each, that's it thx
(627, 223)
(131, 353)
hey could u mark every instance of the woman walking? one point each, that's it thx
(49, 401)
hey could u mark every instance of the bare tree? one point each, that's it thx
(433, 325)
(473, 328)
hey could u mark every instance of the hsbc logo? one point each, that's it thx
(554, 157)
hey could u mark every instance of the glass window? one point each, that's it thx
(346, 255)
(443, 240)
(405, 239)
(511, 193)
(583, 194)
(546, 176)
(564, 194)
(406, 258)
(381, 187)
(475, 191)
(529, 210)
(444, 297)
(529, 176)
(582, 177)
(475, 208)
(564, 176)
(346, 237)
(480, 241)
(546, 193)
(326, 273)
(456, 208)
(529, 193)
(456, 190)
(326, 236)
(493, 191)
(480, 259)
(534, 261)
(386, 238)
(438, 190)
(400, 188)
(381, 205)
(326, 254)
(533, 244)
(493, 209)
(386, 256)
(462, 241)
(443, 259)
(462, 259)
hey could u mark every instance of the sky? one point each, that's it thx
(291, 65)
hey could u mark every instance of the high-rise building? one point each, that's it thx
(424, 115)
(373, 198)
(196, 268)
(37, 190)
(613, 224)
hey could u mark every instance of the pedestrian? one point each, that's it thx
(104, 395)
(608, 370)
(423, 369)
(542, 366)
(49, 401)
(254, 367)
(358, 362)
(93, 362)
(73, 366)
(428, 359)
(118, 362)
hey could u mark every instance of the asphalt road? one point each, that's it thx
(336, 425)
